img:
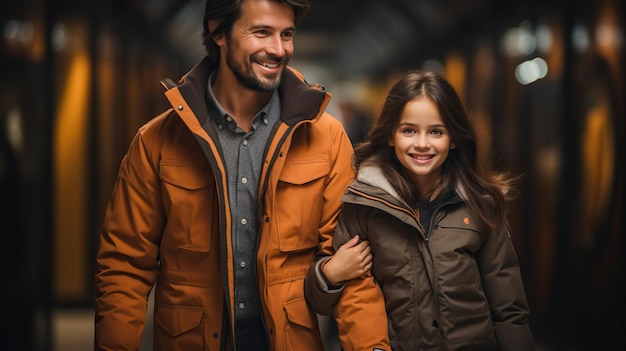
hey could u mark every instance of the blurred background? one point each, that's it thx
(544, 82)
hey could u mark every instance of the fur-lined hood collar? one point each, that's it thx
(372, 175)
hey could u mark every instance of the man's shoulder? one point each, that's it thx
(161, 123)
(330, 121)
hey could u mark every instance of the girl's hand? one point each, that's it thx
(352, 260)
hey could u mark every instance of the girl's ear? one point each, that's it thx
(452, 145)
(391, 143)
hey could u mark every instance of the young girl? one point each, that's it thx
(445, 273)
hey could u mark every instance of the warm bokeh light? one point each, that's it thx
(70, 152)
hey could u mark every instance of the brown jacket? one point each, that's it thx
(460, 288)
(168, 223)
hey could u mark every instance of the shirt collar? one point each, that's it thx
(221, 118)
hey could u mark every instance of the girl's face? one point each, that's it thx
(421, 142)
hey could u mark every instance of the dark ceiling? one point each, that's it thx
(347, 37)
(365, 36)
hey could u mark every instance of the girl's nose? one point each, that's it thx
(421, 141)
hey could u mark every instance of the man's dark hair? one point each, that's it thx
(226, 12)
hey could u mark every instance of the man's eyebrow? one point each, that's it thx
(264, 26)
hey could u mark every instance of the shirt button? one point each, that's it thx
(242, 264)
(242, 306)
(245, 142)
(229, 119)
(244, 180)
(244, 221)
(266, 121)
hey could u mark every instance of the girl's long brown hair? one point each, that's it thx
(485, 190)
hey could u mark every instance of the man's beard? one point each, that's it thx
(245, 74)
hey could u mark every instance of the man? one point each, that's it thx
(225, 200)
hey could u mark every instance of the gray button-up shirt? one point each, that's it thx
(243, 154)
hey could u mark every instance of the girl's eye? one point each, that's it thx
(408, 131)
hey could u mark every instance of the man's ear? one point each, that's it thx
(217, 39)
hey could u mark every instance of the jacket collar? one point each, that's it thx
(372, 175)
(299, 99)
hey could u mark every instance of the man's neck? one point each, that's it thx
(239, 102)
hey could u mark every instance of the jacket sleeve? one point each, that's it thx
(359, 306)
(502, 282)
(319, 296)
(360, 309)
(126, 262)
(339, 176)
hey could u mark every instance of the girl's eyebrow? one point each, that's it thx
(415, 124)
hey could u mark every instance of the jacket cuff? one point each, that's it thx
(514, 337)
(320, 296)
(322, 282)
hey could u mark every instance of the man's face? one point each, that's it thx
(260, 44)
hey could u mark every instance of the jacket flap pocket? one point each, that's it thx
(193, 277)
(185, 175)
(176, 321)
(301, 170)
(298, 313)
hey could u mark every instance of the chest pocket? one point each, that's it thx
(453, 243)
(300, 198)
(190, 202)
(459, 232)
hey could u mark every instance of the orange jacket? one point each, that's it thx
(168, 223)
